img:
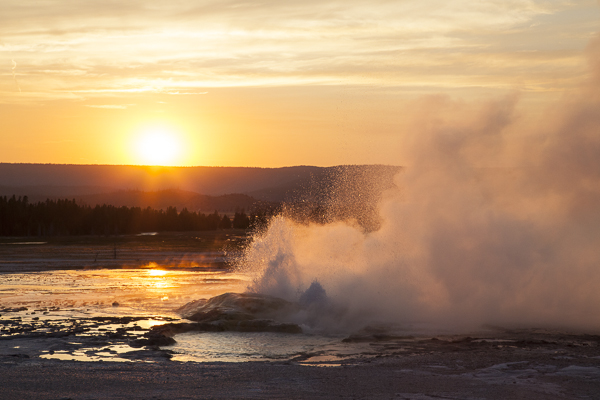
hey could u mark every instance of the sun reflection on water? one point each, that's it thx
(161, 284)
(157, 272)
(146, 290)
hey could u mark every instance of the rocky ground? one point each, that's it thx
(474, 374)
(129, 360)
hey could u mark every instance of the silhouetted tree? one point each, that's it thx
(241, 220)
(18, 217)
(225, 223)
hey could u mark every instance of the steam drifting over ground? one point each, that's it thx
(491, 222)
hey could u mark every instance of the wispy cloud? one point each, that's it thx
(110, 106)
(188, 45)
(14, 67)
(186, 93)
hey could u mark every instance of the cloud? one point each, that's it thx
(448, 44)
(186, 93)
(110, 106)
(14, 67)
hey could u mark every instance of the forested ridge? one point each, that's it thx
(19, 217)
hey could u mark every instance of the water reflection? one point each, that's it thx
(264, 346)
(157, 272)
(149, 290)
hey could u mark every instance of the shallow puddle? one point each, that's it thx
(262, 346)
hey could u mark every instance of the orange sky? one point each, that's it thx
(274, 83)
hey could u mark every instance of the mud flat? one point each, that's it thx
(482, 376)
(186, 250)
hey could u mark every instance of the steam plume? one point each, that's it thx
(489, 223)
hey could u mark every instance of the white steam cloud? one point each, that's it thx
(488, 224)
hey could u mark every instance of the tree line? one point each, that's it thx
(65, 217)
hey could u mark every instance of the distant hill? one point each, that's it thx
(227, 203)
(212, 181)
(341, 190)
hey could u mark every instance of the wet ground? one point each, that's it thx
(494, 365)
(45, 355)
(91, 331)
(114, 339)
(176, 249)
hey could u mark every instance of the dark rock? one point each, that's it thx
(237, 306)
(19, 355)
(153, 339)
(15, 309)
(228, 325)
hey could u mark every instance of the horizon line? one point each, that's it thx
(192, 166)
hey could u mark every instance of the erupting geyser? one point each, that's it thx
(488, 223)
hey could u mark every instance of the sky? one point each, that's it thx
(280, 83)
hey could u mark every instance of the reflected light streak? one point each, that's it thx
(157, 272)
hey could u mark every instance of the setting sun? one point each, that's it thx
(159, 146)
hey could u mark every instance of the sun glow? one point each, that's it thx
(159, 146)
